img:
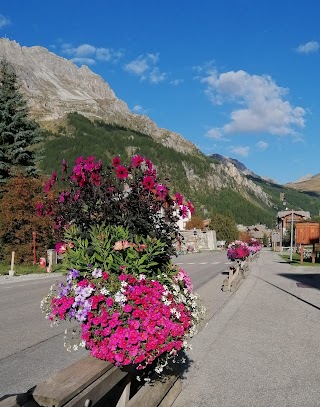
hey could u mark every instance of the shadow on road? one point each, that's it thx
(287, 292)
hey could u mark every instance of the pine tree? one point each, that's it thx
(18, 133)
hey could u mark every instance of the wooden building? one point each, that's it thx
(284, 218)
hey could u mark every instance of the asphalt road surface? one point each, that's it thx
(31, 350)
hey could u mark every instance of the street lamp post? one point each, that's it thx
(291, 239)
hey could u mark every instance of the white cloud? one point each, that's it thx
(308, 48)
(89, 54)
(108, 54)
(82, 51)
(137, 109)
(262, 145)
(156, 76)
(176, 82)
(263, 107)
(4, 21)
(137, 67)
(145, 67)
(154, 58)
(242, 151)
(83, 61)
(103, 54)
(216, 134)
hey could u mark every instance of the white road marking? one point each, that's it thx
(229, 262)
(215, 262)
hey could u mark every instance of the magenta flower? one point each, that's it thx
(190, 207)
(48, 186)
(161, 191)
(96, 179)
(121, 172)
(53, 178)
(76, 196)
(64, 166)
(127, 308)
(39, 209)
(178, 199)
(116, 161)
(148, 183)
(61, 248)
(184, 212)
(137, 160)
(109, 302)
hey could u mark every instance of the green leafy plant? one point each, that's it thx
(109, 248)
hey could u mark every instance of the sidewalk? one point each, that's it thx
(262, 348)
(4, 279)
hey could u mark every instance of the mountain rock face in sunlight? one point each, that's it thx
(304, 178)
(239, 165)
(55, 86)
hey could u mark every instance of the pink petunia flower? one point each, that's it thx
(127, 308)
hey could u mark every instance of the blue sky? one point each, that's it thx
(238, 78)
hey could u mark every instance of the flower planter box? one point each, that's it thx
(90, 380)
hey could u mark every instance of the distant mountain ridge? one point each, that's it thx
(311, 184)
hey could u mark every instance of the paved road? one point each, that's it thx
(30, 350)
(202, 267)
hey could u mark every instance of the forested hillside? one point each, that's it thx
(187, 173)
(306, 201)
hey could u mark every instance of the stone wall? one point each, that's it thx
(197, 240)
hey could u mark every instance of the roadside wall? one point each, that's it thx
(197, 240)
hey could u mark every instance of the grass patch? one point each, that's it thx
(20, 270)
(296, 260)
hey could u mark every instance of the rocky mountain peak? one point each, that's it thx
(55, 86)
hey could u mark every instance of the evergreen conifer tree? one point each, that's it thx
(18, 133)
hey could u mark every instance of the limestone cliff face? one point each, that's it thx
(55, 86)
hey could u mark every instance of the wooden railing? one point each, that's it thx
(237, 272)
(90, 382)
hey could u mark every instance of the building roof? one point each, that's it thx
(303, 214)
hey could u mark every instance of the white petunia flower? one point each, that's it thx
(159, 369)
(104, 291)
